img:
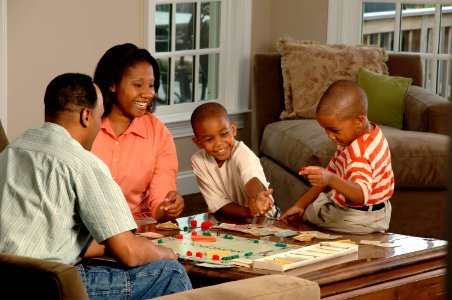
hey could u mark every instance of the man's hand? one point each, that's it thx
(172, 206)
(317, 176)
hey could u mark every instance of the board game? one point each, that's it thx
(305, 256)
(221, 249)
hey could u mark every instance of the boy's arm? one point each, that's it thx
(259, 201)
(321, 177)
(307, 198)
(235, 210)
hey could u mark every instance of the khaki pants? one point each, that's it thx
(325, 213)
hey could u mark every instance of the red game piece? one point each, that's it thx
(206, 225)
(193, 223)
(189, 253)
(199, 254)
(179, 236)
(194, 233)
(216, 257)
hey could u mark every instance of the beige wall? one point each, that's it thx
(49, 37)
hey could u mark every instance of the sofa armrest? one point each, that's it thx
(26, 277)
(3, 138)
(425, 111)
(261, 287)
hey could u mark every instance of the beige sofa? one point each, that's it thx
(419, 151)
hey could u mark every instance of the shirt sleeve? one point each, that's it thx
(165, 171)
(248, 165)
(210, 190)
(101, 203)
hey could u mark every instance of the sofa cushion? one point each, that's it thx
(265, 287)
(385, 96)
(418, 157)
(309, 68)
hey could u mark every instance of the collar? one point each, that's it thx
(136, 127)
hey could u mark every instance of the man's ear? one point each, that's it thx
(85, 114)
(234, 128)
(196, 142)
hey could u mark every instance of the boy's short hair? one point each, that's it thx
(343, 98)
(207, 110)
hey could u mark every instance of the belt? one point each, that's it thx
(372, 207)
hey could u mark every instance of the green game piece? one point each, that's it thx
(235, 256)
(249, 254)
(226, 236)
(256, 241)
(185, 228)
(230, 237)
(160, 241)
(219, 223)
(206, 233)
(224, 258)
(282, 245)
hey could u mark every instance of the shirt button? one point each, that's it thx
(117, 142)
(115, 160)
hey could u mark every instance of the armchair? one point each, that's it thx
(419, 150)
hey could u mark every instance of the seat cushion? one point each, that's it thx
(268, 287)
(418, 158)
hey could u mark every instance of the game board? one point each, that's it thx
(224, 250)
(305, 256)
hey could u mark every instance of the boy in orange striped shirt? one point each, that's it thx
(351, 194)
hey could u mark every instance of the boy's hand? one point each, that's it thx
(262, 204)
(294, 213)
(173, 205)
(317, 176)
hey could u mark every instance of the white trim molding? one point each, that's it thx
(186, 183)
(3, 60)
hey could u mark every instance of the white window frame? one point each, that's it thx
(3, 85)
(345, 26)
(234, 73)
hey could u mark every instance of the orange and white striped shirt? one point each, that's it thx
(367, 162)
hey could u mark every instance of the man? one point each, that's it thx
(56, 196)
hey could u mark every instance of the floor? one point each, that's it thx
(194, 204)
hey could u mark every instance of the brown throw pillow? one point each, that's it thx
(309, 68)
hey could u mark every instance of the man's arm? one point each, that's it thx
(133, 251)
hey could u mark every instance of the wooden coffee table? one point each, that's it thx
(416, 269)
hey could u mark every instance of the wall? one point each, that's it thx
(49, 37)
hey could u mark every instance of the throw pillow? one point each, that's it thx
(309, 68)
(385, 96)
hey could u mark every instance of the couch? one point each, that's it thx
(419, 150)
(29, 278)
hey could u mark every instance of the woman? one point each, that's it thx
(136, 146)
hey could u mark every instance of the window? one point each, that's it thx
(193, 42)
(414, 26)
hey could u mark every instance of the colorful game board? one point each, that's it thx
(224, 249)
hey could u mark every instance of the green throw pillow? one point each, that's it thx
(386, 97)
